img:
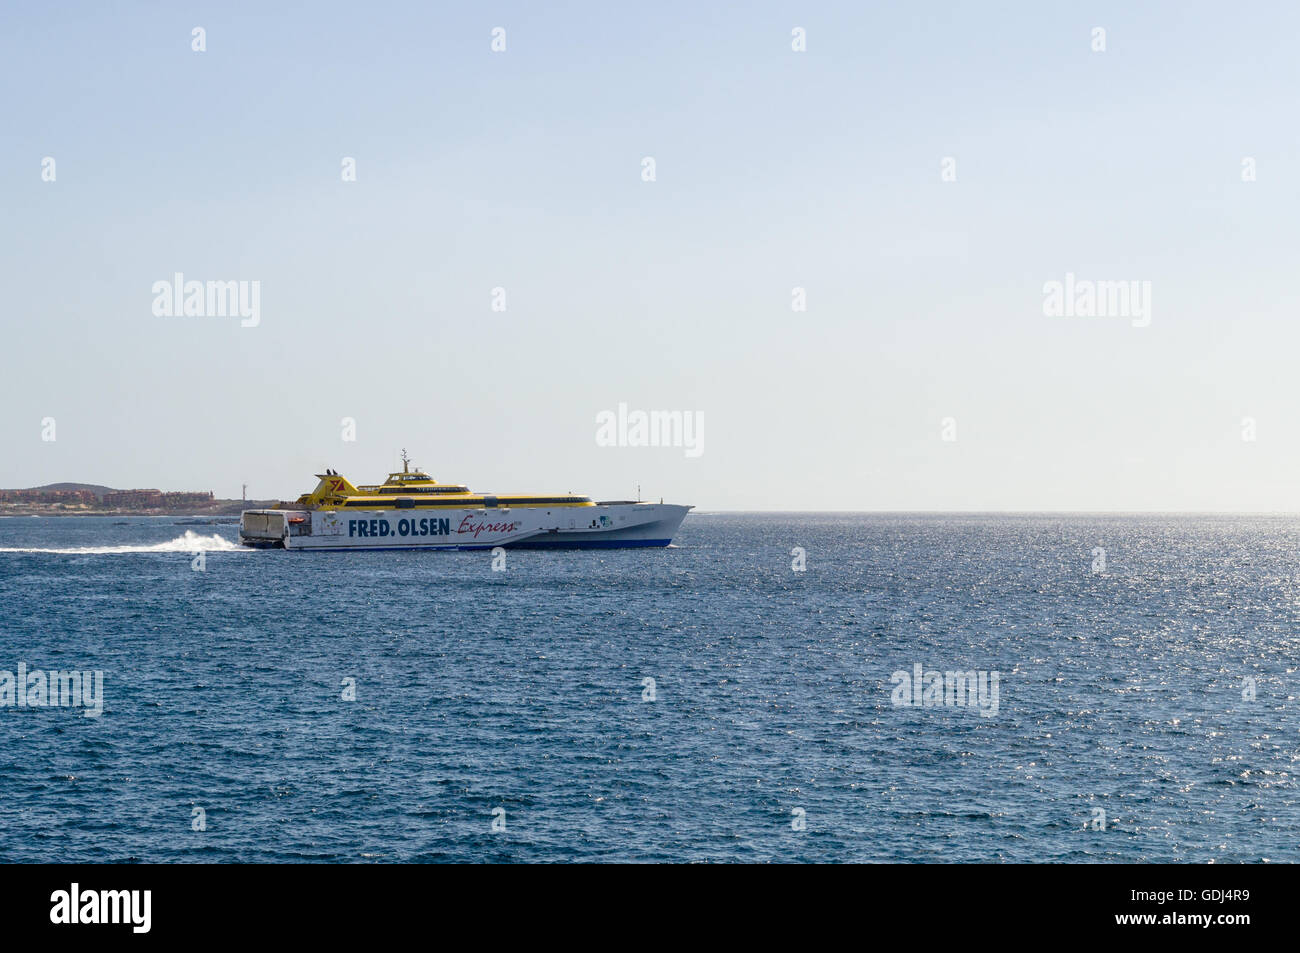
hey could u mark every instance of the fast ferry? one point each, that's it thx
(411, 510)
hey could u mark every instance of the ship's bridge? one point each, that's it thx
(417, 482)
(416, 477)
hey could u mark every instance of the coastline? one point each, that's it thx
(218, 508)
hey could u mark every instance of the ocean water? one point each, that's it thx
(1145, 711)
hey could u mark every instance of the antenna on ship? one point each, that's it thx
(405, 462)
(638, 492)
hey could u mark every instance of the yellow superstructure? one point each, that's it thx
(409, 489)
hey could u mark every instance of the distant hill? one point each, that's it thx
(95, 488)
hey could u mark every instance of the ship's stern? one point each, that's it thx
(263, 528)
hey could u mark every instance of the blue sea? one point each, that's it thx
(392, 707)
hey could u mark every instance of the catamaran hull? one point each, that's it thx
(602, 526)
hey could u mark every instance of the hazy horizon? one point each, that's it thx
(925, 176)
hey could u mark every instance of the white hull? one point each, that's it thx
(605, 525)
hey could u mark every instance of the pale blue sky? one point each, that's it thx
(775, 169)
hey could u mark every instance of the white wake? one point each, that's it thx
(189, 543)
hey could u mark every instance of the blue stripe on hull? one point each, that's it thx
(584, 544)
(590, 544)
(373, 549)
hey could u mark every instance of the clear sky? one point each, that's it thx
(774, 169)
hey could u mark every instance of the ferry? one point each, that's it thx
(410, 510)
